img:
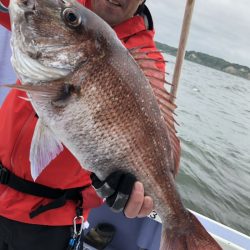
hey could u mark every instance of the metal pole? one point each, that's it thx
(182, 47)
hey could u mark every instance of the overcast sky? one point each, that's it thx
(219, 27)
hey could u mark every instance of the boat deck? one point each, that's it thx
(145, 233)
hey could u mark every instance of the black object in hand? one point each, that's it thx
(116, 189)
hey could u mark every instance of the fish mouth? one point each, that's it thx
(23, 5)
(19, 9)
(29, 4)
(26, 53)
(25, 60)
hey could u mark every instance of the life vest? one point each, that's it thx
(17, 123)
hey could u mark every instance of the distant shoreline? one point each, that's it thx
(209, 61)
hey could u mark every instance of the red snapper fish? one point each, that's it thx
(92, 96)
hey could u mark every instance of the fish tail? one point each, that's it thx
(195, 237)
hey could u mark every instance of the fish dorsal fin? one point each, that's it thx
(44, 148)
(157, 81)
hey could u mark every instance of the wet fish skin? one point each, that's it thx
(91, 95)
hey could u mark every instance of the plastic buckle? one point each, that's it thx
(4, 175)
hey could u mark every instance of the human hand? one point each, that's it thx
(138, 205)
(123, 193)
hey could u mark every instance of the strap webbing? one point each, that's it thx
(59, 196)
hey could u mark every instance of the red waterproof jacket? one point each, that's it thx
(17, 123)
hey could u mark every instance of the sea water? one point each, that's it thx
(213, 112)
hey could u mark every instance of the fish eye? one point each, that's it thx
(71, 17)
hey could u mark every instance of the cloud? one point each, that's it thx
(219, 28)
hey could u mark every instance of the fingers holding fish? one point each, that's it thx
(123, 193)
(147, 207)
(138, 205)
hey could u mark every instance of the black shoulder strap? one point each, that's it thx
(148, 15)
(144, 11)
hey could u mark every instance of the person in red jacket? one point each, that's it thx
(39, 215)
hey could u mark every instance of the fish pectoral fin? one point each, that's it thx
(44, 148)
(56, 93)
